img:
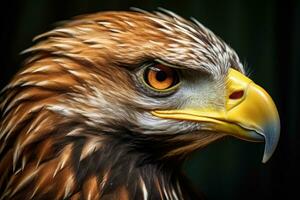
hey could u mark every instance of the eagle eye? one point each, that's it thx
(160, 77)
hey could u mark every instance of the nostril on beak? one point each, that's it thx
(237, 94)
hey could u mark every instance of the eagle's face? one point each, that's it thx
(155, 75)
(111, 87)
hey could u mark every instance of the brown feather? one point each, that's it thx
(20, 179)
(71, 119)
(90, 188)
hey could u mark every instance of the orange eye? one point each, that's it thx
(161, 77)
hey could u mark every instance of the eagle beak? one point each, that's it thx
(249, 114)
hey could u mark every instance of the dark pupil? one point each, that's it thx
(161, 76)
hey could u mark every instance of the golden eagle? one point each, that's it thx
(109, 105)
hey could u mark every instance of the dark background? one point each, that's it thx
(265, 34)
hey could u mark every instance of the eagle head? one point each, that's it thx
(109, 104)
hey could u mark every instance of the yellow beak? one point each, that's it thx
(249, 113)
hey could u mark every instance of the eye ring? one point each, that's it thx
(160, 77)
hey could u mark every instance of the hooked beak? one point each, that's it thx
(249, 114)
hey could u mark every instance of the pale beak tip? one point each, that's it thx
(272, 131)
(265, 158)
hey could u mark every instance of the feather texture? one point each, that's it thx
(74, 124)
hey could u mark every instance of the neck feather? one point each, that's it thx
(74, 162)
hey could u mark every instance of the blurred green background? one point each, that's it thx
(265, 34)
